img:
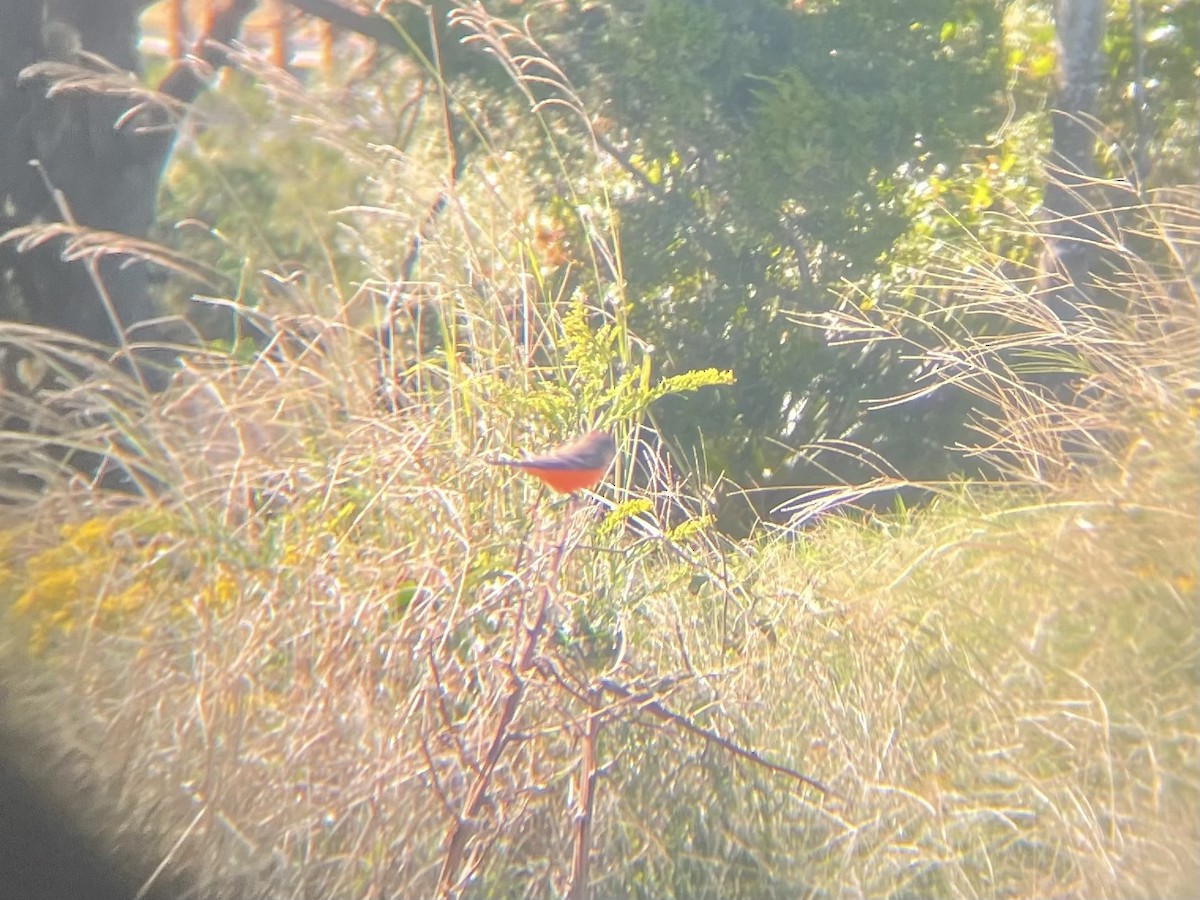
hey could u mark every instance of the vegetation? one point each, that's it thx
(330, 651)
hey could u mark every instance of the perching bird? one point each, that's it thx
(570, 467)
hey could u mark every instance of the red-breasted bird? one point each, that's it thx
(570, 467)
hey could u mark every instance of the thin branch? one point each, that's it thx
(659, 711)
(465, 826)
(377, 28)
(581, 843)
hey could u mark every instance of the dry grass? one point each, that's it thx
(344, 643)
(1067, 377)
(1005, 691)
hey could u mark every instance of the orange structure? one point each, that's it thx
(172, 27)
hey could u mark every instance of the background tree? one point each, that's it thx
(83, 145)
(779, 159)
(785, 158)
(773, 149)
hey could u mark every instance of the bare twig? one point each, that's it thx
(660, 712)
(528, 638)
(581, 827)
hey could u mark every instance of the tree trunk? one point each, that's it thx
(1073, 222)
(80, 157)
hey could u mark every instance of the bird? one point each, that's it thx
(570, 467)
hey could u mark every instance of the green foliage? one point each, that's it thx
(620, 514)
(242, 192)
(789, 155)
(689, 529)
(696, 54)
(781, 145)
(1148, 92)
(582, 387)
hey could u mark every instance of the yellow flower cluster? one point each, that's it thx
(78, 578)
